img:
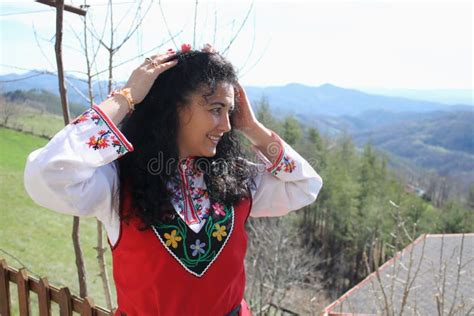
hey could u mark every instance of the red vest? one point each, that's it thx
(150, 280)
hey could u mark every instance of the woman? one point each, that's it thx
(171, 186)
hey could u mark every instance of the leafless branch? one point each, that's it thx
(458, 276)
(41, 48)
(252, 46)
(195, 21)
(132, 30)
(238, 31)
(23, 78)
(154, 49)
(257, 61)
(409, 281)
(170, 34)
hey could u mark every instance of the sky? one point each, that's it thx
(353, 44)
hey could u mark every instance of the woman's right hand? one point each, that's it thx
(143, 77)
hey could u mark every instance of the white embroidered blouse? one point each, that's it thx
(76, 173)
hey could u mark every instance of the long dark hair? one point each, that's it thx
(152, 129)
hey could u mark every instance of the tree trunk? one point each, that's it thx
(81, 271)
(102, 266)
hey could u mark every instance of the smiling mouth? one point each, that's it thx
(214, 139)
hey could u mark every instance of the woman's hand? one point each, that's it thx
(143, 77)
(139, 84)
(244, 118)
(260, 136)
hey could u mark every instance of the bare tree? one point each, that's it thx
(400, 289)
(90, 61)
(100, 244)
(63, 93)
(277, 263)
(8, 110)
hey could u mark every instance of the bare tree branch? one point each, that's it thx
(195, 21)
(137, 56)
(458, 276)
(215, 29)
(41, 48)
(134, 29)
(240, 29)
(257, 61)
(170, 34)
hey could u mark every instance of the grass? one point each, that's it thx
(36, 238)
(37, 122)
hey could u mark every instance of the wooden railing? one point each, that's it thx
(47, 293)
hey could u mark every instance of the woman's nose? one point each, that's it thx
(224, 124)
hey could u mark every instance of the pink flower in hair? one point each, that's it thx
(185, 48)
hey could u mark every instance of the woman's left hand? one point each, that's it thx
(244, 119)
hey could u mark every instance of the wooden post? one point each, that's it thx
(88, 307)
(44, 300)
(59, 59)
(23, 292)
(4, 289)
(67, 7)
(65, 304)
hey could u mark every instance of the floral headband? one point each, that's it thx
(208, 48)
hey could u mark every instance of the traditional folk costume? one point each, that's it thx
(190, 265)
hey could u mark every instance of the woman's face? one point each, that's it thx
(203, 122)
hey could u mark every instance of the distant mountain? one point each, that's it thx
(37, 80)
(335, 101)
(446, 96)
(296, 99)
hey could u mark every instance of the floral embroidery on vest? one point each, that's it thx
(196, 251)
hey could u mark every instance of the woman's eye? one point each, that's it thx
(216, 110)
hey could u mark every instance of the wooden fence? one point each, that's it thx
(47, 293)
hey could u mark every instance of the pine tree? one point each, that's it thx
(291, 130)
(264, 115)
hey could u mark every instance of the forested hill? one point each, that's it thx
(441, 141)
(445, 131)
(42, 100)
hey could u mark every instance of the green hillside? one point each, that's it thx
(35, 121)
(444, 141)
(39, 238)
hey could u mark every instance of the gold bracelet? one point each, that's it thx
(127, 95)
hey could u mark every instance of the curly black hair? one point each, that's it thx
(152, 129)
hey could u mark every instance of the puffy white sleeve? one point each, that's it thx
(75, 172)
(287, 185)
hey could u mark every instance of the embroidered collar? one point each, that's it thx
(190, 197)
(197, 237)
(188, 166)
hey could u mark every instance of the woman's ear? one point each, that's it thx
(185, 114)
